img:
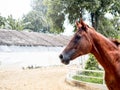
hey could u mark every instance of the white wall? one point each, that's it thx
(16, 56)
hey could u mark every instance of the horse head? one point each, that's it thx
(80, 44)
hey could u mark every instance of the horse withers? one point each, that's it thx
(107, 51)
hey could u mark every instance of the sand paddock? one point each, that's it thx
(50, 78)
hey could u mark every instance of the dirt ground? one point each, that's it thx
(50, 78)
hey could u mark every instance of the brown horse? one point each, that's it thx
(87, 40)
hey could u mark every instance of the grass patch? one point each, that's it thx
(89, 73)
(93, 77)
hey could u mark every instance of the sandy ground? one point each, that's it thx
(52, 78)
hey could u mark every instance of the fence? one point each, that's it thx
(87, 76)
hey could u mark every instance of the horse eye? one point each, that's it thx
(78, 37)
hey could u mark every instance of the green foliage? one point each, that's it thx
(88, 79)
(116, 24)
(55, 14)
(11, 23)
(14, 24)
(90, 73)
(109, 28)
(36, 19)
(2, 21)
(90, 76)
(49, 16)
(33, 20)
(119, 36)
(75, 9)
(92, 63)
(115, 8)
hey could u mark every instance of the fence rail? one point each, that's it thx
(85, 74)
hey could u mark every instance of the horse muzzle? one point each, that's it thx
(64, 59)
(66, 56)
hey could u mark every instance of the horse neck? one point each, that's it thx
(102, 49)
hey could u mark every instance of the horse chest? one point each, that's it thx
(112, 82)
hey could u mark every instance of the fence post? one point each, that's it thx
(103, 77)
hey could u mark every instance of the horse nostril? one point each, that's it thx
(61, 56)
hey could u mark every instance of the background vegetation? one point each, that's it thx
(92, 63)
(48, 16)
(90, 76)
(97, 9)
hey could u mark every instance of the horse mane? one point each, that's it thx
(116, 42)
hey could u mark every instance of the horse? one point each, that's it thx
(107, 52)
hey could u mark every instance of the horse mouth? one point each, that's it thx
(66, 62)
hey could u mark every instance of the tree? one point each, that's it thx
(14, 24)
(109, 27)
(11, 23)
(76, 9)
(2, 21)
(33, 20)
(36, 19)
(116, 24)
(56, 15)
(92, 63)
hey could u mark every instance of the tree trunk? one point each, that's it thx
(97, 15)
(94, 20)
(81, 12)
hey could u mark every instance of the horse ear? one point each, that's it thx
(77, 23)
(83, 24)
